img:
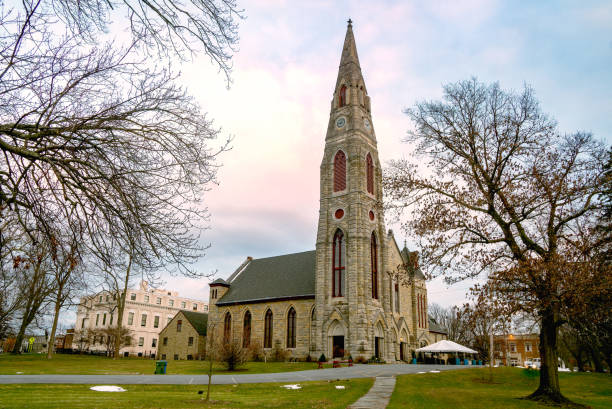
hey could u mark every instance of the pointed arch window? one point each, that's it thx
(268, 329)
(370, 174)
(374, 266)
(339, 171)
(342, 96)
(246, 330)
(291, 328)
(338, 256)
(397, 301)
(227, 328)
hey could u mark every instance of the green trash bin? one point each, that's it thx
(160, 367)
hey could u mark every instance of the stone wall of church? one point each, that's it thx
(280, 309)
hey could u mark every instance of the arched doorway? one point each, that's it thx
(336, 334)
(403, 345)
(379, 339)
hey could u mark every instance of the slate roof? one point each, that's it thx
(198, 320)
(282, 277)
(219, 281)
(434, 327)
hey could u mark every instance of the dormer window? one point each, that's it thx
(342, 97)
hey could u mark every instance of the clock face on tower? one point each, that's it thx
(340, 122)
(366, 123)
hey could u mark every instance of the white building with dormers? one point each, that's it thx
(147, 312)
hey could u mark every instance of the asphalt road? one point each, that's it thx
(357, 371)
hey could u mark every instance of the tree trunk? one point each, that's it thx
(593, 352)
(25, 321)
(54, 327)
(121, 308)
(549, 390)
(19, 339)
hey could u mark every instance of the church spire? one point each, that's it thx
(349, 50)
(349, 70)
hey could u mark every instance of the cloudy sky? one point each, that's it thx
(277, 108)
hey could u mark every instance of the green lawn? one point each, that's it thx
(29, 364)
(321, 394)
(469, 389)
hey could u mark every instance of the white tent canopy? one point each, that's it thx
(446, 346)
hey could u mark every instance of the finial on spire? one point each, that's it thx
(404, 243)
(350, 22)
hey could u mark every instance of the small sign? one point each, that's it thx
(32, 339)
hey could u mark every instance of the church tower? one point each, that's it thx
(350, 249)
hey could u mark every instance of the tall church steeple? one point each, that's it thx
(350, 287)
(350, 98)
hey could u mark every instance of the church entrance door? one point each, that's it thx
(402, 358)
(377, 346)
(338, 346)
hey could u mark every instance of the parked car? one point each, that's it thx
(534, 363)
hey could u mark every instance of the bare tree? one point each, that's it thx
(97, 142)
(453, 322)
(503, 190)
(114, 336)
(35, 286)
(67, 275)
(11, 245)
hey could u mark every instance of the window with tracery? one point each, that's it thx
(370, 173)
(291, 328)
(246, 330)
(268, 329)
(227, 328)
(338, 257)
(374, 266)
(342, 96)
(339, 171)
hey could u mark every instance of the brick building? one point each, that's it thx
(514, 350)
(344, 297)
(184, 337)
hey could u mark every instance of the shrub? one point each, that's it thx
(308, 358)
(278, 353)
(322, 358)
(361, 360)
(233, 355)
(255, 352)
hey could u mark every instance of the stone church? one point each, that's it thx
(357, 293)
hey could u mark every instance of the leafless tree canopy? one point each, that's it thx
(503, 192)
(99, 146)
(93, 139)
(166, 28)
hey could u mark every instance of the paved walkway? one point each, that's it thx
(378, 396)
(357, 371)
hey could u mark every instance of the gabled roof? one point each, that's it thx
(219, 281)
(435, 327)
(282, 277)
(198, 320)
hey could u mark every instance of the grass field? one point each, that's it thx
(312, 395)
(30, 364)
(469, 389)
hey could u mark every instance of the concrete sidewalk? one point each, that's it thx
(378, 396)
(357, 371)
